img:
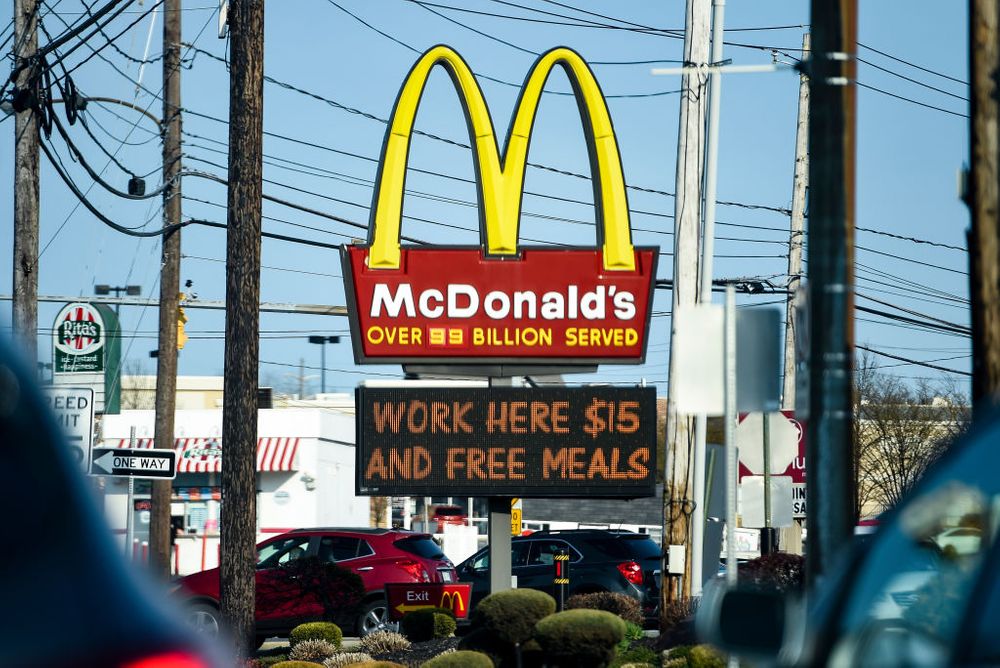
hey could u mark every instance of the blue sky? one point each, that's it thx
(908, 160)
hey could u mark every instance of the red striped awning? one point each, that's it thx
(204, 455)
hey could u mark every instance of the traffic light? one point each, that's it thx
(181, 319)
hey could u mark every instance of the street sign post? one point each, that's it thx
(409, 596)
(137, 463)
(74, 411)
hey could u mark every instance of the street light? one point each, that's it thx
(129, 290)
(322, 341)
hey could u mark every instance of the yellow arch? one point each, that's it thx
(500, 187)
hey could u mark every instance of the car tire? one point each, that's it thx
(204, 618)
(374, 617)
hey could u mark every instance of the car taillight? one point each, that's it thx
(415, 569)
(168, 660)
(631, 571)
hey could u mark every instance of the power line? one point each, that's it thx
(912, 361)
(913, 65)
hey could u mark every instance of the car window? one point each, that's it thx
(421, 546)
(282, 551)
(339, 548)
(518, 556)
(625, 547)
(908, 596)
(543, 552)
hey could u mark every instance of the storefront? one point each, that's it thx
(305, 476)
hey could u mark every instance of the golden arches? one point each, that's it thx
(500, 185)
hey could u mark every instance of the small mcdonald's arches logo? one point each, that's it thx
(500, 300)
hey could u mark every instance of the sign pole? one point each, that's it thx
(498, 528)
(767, 542)
(129, 522)
(730, 420)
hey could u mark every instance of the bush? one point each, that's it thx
(580, 637)
(316, 631)
(622, 605)
(382, 642)
(269, 661)
(377, 664)
(297, 664)
(636, 656)
(342, 659)
(677, 623)
(633, 632)
(511, 615)
(312, 650)
(695, 656)
(426, 624)
(778, 571)
(463, 659)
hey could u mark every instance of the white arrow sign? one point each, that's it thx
(138, 463)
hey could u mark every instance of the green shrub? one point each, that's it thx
(624, 606)
(696, 656)
(316, 631)
(633, 632)
(636, 655)
(312, 650)
(343, 659)
(297, 664)
(461, 659)
(511, 615)
(382, 642)
(269, 661)
(426, 624)
(486, 642)
(580, 637)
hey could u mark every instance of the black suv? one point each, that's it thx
(614, 561)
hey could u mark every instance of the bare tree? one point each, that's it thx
(899, 431)
(138, 389)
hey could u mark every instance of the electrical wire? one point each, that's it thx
(912, 361)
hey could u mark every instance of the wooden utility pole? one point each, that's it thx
(677, 502)
(832, 137)
(796, 236)
(25, 308)
(170, 267)
(239, 409)
(984, 243)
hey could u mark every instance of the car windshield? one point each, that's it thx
(422, 546)
(909, 594)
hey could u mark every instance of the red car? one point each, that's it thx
(377, 555)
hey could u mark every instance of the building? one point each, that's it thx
(305, 476)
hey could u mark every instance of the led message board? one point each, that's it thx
(501, 441)
(498, 301)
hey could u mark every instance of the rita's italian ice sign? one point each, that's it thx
(500, 301)
(79, 339)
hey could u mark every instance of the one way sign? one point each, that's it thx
(138, 463)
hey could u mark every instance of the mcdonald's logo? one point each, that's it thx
(452, 600)
(500, 301)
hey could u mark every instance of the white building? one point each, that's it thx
(305, 465)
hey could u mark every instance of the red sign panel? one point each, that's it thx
(407, 597)
(455, 305)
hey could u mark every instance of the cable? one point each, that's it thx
(510, 84)
(914, 81)
(910, 100)
(913, 65)
(338, 105)
(912, 361)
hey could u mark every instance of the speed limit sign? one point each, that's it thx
(73, 408)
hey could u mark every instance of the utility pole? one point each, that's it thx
(791, 537)
(832, 137)
(796, 235)
(25, 308)
(170, 267)
(239, 410)
(677, 492)
(983, 241)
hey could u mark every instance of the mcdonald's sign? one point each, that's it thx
(500, 301)
(404, 597)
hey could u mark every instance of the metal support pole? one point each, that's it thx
(498, 528)
(130, 501)
(322, 369)
(705, 288)
(766, 534)
(732, 456)
(560, 562)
